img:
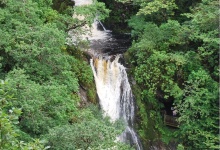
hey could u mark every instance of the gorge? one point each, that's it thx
(69, 78)
(113, 88)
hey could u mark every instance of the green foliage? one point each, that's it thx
(180, 147)
(89, 12)
(8, 119)
(43, 106)
(63, 6)
(43, 75)
(156, 5)
(174, 52)
(144, 122)
(90, 131)
(204, 29)
(175, 58)
(163, 68)
(157, 10)
(149, 121)
(83, 72)
(199, 112)
(138, 28)
(31, 44)
(119, 15)
(85, 76)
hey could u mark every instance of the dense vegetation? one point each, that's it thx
(175, 60)
(119, 15)
(41, 72)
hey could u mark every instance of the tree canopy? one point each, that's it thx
(175, 56)
(43, 71)
(174, 59)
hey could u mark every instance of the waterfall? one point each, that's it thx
(102, 25)
(109, 81)
(90, 33)
(113, 88)
(105, 30)
(82, 2)
(115, 95)
(97, 34)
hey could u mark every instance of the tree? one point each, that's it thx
(8, 119)
(43, 106)
(158, 11)
(89, 131)
(42, 73)
(175, 58)
(203, 28)
(162, 70)
(198, 112)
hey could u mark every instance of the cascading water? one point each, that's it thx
(113, 88)
(115, 95)
(82, 2)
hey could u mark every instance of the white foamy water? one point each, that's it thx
(95, 34)
(89, 33)
(82, 2)
(115, 95)
(109, 77)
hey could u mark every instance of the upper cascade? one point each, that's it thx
(91, 33)
(82, 2)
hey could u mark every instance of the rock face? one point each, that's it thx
(83, 97)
